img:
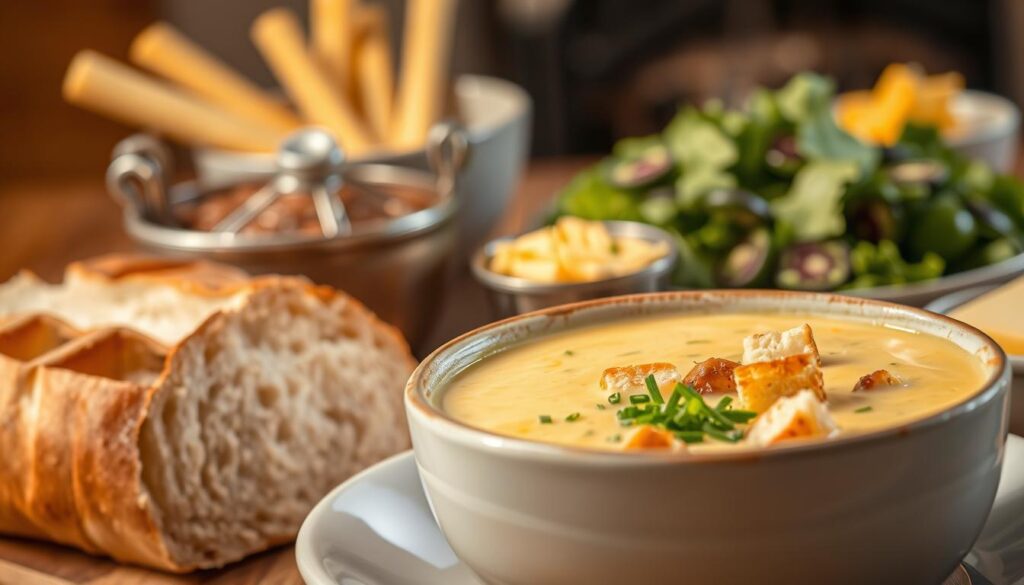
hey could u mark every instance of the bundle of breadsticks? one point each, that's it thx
(342, 78)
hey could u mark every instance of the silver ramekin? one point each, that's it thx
(511, 296)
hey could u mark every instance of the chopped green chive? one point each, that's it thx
(723, 403)
(739, 416)
(686, 414)
(673, 401)
(690, 436)
(863, 409)
(544, 419)
(615, 398)
(628, 413)
(696, 341)
(615, 438)
(570, 352)
(600, 406)
(652, 387)
(573, 417)
(721, 435)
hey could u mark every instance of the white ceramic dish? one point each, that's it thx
(991, 128)
(496, 115)
(377, 529)
(897, 505)
(949, 302)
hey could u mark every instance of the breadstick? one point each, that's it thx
(164, 50)
(375, 72)
(423, 81)
(102, 84)
(331, 27)
(279, 39)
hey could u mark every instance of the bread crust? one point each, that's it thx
(760, 384)
(72, 466)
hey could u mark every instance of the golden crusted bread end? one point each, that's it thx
(194, 276)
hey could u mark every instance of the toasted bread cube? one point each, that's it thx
(648, 437)
(632, 379)
(875, 380)
(761, 384)
(775, 345)
(712, 375)
(799, 416)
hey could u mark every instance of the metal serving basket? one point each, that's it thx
(396, 264)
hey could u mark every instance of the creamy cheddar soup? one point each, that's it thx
(548, 389)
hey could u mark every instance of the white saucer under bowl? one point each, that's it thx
(377, 529)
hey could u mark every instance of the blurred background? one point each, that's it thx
(596, 69)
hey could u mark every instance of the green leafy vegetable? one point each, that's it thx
(906, 215)
(882, 264)
(803, 96)
(818, 138)
(695, 268)
(704, 153)
(1007, 193)
(812, 207)
(658, 210)
(590, 196)
(630, 147)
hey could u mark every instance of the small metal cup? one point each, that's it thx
(511, 296)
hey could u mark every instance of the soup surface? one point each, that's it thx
(558, 375)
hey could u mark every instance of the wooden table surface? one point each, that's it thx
(43, 226)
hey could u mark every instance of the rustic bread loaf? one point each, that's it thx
(189, 452)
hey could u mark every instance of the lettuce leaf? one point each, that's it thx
(804, 95)
(819, 138)
(704, 153)
(813, 206)
(882, 264)
(589, 196)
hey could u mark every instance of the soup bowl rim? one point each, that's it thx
(421, 409)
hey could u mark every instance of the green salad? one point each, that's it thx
(778, 195)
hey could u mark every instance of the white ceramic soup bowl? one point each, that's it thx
(899, 505)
